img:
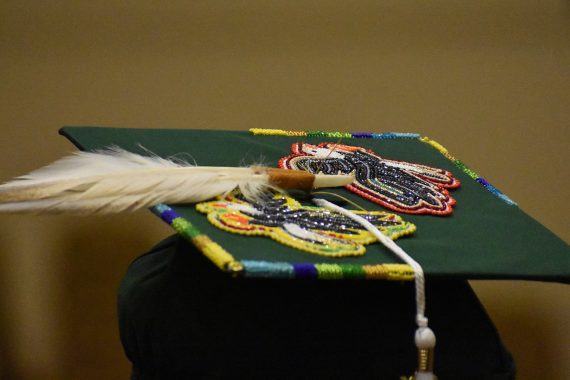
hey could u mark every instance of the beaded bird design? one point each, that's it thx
(397, 185)
(312, 229)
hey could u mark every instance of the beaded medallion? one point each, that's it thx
(311, 229)
(397, 185)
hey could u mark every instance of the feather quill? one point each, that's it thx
(116, 180)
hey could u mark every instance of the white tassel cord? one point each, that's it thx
(424, 337)
(115, 180)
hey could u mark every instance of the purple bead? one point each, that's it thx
(168, 216)
(482, 181)
(362, 135)
(305, 270)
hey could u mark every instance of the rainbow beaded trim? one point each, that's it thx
(309, 228)
(390, 135)
(254, 268)
(209, 248)
(394, 272)
(340, 135)
(468, 171)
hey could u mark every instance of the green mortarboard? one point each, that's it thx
(485, 237)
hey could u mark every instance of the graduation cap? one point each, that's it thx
(450, 220)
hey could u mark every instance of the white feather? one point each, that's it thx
(116, 180)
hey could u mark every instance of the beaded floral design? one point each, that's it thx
(311, 229)
(397, 185)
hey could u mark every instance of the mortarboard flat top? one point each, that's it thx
(486, 237)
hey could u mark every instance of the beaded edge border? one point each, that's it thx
(385, 136)
(266, 269)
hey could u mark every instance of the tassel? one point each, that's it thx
(115, 180)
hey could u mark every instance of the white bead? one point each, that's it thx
(424, 376)
(425, 338)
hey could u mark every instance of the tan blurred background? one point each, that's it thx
(490, 80)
